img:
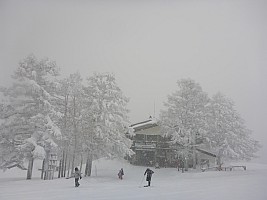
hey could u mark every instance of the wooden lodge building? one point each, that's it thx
(152, 149)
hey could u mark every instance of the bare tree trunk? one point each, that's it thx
(43, 170)
(68, 168)
(219, 160)
(30, 167)
(75, 134)
(60, 168)
(186, 162)
(65, 164)
(62, 164)
(81, 165)
(46, 165)
(194, 151)
(86, 168)
(89, 162)
(65, 152)
(73, 162)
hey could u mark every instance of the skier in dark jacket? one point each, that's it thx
(148, 174)
(121, 173)
(77, 175)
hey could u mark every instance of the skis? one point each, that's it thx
(140, 186)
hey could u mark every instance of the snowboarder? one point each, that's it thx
(77, 175)
(148, 174)
(121, 173)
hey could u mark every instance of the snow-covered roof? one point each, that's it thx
(152, 122)
(206, 152)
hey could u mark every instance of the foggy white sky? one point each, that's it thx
(148, 45)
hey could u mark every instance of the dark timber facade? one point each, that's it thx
(152, 149)
(149, 145)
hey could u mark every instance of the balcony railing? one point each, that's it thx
(149, 144)
(145, 146)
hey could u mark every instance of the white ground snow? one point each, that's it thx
(167, 184)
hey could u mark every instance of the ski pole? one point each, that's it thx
(142, 181)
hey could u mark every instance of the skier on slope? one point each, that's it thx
(77, 175)
(148, 174)
(121, 173)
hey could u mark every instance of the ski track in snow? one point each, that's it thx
(167, 183)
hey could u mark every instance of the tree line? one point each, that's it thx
(81, 120)
(189, 115)
(78, 120)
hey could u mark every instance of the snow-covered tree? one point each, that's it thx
(106, 117)
(28, 114)
(185, 115)
(229, 137)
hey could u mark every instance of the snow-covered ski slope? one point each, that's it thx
(167, 184)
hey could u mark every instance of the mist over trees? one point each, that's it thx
(190, 115)
(81, 120)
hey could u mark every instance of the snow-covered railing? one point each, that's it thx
(237, 166)
(222, 168)
(145, 146)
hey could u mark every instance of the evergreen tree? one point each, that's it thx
(229, 137)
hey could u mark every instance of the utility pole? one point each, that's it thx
(194, 150)
(154, 109)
